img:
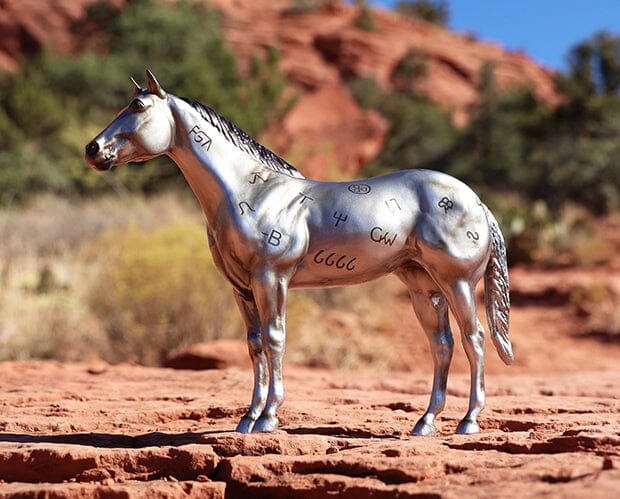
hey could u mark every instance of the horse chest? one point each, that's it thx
(257, 240)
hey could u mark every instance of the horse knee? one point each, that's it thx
(275, 339)
(445, 342)
(474, 341)
(255, 343)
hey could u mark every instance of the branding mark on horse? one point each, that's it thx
(379, 236)
(359, 188)
(393, 205)
(255, 177)
(304, 197)
(274, 237)
(330, 260)
(200, 137)
(340, 217)
(446, 204)
(247, 206)
(473, 235)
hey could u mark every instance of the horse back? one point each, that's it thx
(361, 230)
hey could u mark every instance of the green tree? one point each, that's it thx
(411, 68)
(582, 153)
(594, 65)
(420, 133)
(54, 104)
(434, 11)
(364, 20)
(261, 95)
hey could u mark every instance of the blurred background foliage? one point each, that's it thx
(55, 103)
(513, 142)
(115, 266)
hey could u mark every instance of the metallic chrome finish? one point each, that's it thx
(271, 229)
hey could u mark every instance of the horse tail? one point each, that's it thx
(496, 292)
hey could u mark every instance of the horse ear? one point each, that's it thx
(154, 86)
(136, 87)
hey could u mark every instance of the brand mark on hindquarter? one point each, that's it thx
(446, 204)
(379, 235)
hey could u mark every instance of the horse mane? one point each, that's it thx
(243, 141)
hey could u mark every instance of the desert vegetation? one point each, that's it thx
(130, 278)
(117, 267)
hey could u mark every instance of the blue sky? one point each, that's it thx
(544, 29)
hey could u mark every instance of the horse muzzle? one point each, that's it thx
(95, 157)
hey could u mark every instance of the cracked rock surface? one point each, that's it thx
(77, 430)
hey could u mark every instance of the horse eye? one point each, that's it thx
(137, 105)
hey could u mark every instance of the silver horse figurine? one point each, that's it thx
(269, 228)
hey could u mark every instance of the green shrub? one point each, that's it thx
(364, 20)
(420, 133)
(158, 290)
(434, 11)
(55, 104)
(535, 233)
(48, 323)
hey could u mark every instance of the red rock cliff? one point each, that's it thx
(325, 133)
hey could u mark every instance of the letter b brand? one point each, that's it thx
(274, 238)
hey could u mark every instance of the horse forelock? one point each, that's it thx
(242, 140)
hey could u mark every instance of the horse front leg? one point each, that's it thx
(270, 291)
(249, 312)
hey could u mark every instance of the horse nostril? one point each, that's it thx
(92, 148)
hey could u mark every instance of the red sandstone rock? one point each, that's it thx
(321, 51)
(551, 426)
(147, 432)
(329, 134)
(217, 354)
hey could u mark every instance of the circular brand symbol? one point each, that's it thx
(359, 188)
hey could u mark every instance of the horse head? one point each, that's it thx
(142, 130)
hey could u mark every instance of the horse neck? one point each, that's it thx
(214, 167)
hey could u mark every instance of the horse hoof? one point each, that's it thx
(266, 423)
(467, 427)
(246, 425)
(424, 429)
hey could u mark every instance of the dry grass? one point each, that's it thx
(369, 325)
(116, 278)
(44, 281)
(130, 279)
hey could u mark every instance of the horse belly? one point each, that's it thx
(356, 236)
(352, 263)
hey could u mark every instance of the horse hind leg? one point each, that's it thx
(462, 303)
(431, 308)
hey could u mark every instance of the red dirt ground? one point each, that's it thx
(73, 430)
(551, 427)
